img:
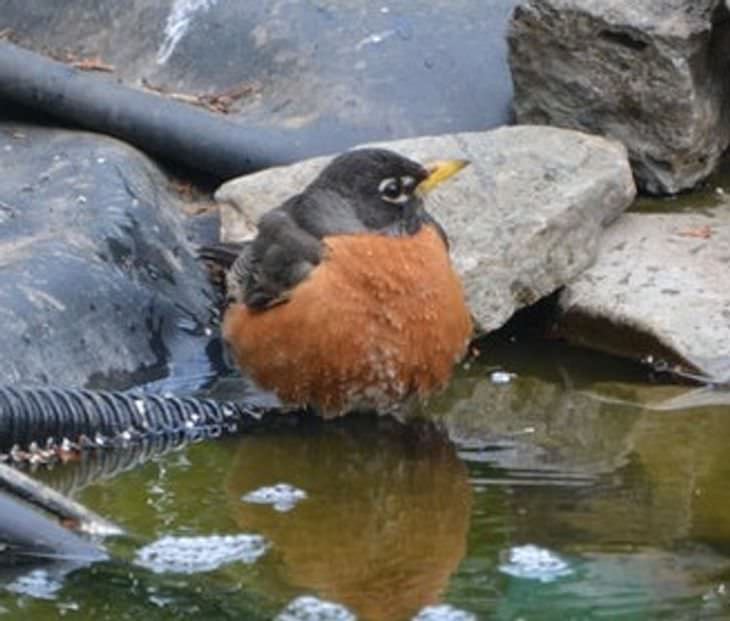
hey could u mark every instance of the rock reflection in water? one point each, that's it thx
(533, 429)
(651, 460)
(385, 520)
(625, 478)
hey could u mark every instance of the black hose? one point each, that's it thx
(40, 424)
(25, 532)
(39, 494)
(174, 130)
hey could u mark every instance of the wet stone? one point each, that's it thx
(94, 243)
(658, 293)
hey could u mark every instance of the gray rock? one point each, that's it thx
(523, 219)
(659, 289)
(99, 283)
(651, 74)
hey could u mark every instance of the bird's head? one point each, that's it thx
(383, 190)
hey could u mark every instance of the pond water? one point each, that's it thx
(566, 485)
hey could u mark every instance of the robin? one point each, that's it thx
(347, 299)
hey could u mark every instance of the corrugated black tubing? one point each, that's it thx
(37, 419)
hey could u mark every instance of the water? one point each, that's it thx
(581, 488)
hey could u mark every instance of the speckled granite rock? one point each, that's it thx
(659, 289)
(651, 74)
(523, 219)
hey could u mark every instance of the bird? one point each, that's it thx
(347, 299)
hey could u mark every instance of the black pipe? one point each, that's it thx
(173, 130)
(52, 501)
(25, 532)
(40, 424)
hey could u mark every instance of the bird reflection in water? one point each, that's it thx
(385, 521)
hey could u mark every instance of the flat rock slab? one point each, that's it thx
(326, 75)
(99, 285)
(523, 219)
(651, 74)
(659, 290)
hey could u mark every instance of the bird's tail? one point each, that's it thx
(218, 259)
(222, 254)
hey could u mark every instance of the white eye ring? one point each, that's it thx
(396, 191)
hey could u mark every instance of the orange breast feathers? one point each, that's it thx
(381, 319)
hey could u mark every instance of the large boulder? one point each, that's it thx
(100, 284)
(651, 74)
(321, 76)
(658, 292)
(523, 219)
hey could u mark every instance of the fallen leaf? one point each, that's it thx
(92, 64)
(215, 102)
(702, 232)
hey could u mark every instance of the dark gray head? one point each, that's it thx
(379, 186)
(371, 190)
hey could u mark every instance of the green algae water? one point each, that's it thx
(549, 484)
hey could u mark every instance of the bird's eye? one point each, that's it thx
(396, 190)
(390, 189)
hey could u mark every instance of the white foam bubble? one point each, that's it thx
(501, 377)
(309, 608)
(191, 555)
(282, 496)
(444, 612)
(534, 563)
(37, 583)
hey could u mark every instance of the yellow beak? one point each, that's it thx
(438, 172)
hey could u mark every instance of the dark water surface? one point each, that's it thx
(579, 489)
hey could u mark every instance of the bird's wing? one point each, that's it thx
(269, 267)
